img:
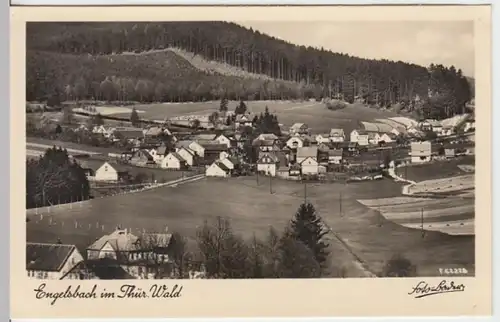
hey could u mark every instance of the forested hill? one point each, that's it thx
(315, 72)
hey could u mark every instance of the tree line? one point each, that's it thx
(293, 71)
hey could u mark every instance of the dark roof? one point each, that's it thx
(129, 133)
(258, 142)
(214, 147)
(103, 268)
(162, 150)
(336, 153)
(47, 257)
(222, 166)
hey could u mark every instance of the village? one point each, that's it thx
(298, 155)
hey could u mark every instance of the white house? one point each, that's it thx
(158, 153)
(51, 261)
(337, 135)
(188, 155)
(446, 131)
(295, 142)
(322, 138)
(267, 136)
(222, 139)
(435, 125)
(173, 161)
(360, 137)
(108, 172)
(267, 163)
(388, 137)
(373, 138)
(217, 169)
(242, 121)
(192, 145)
(307, 152)
(470, 125)
(299, 128)
(335, 156)
(395, 131)
(106, 131)
(421, 152)
(309, 166)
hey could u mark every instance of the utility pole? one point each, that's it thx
(270, 184)
(340, 203)
(422, 219)
(305, 192)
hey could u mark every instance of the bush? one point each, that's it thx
(399, 266)
(334, 104)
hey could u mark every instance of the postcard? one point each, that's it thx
(250, 161)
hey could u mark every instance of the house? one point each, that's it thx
(421, 152)
(322, 138)
(295, 170)
(269, 162)
(222, 139)
(395, 131)
(188, 155)
(360, 137)
(230, 163)
(335, 157)
(309, 166)
(447, 130)
(212, 152)
(337, 135)
(449, 153)
(159, 153)
(295, 142)
(242, 120)
(299, 128)
(307, 152)
(51, 261)
(266, 145)
(142, 157)
(267, 136)
(323, 150)
(424, 126)
(173, 161)
(436, 126)
(108, 172)
(373, 138)
(153, 131)
(387, 138)
(192, 145)
(130, 134)
(141, 256)
(470, 125)
(218, 169)
(203, 138)
(105, 131)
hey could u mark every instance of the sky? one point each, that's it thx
(420, 42)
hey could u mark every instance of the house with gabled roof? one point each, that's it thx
(337, 135)
(299, 128)
(231, 163)
(295, 142)
(218, 169)
(173, 161)
(309, 165)
(159, 153)
(212, 152)
(269, 162)
(109, 172)
(322, 138)
(266, 145)
(335, 156)
(188, 155)
(307, 152)
(223, 139)
(51, 261)
(360, 137)
(142, 157)
(138, 255)
(242, 120)
(267, 136)
(193, 145)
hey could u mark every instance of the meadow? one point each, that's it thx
(314, 114)
(435, 170)
(252, 208)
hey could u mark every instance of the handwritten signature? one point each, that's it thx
(422, 289)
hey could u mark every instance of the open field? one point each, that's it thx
(252, 209)
(454, 216)
(315, 114)
(33, 143)
(444, 185)
(435, 170)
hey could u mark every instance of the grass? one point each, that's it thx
(252, 209)
(435, 170)
(315, 114)
(70, 145)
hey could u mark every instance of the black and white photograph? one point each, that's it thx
(250, 149)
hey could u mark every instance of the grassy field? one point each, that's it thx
(435, 170)
(252, 209)
(315, 114)
(37, 143)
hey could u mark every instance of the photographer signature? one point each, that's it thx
(422, 289)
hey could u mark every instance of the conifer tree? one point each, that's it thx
(134, 117)
(307, 227)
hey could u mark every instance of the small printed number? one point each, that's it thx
(453, 271)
